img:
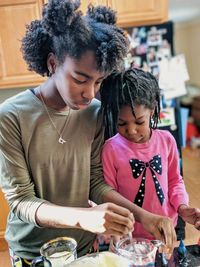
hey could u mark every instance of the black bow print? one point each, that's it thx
(138, 167)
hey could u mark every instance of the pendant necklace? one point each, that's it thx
(60, 134)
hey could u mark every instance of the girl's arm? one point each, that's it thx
(177, 192)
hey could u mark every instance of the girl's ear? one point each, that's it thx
(51, 63)
(152, 112)
(151, 120)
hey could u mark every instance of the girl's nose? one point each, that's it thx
(89, 93)
(131, 129)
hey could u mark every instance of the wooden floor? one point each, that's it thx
(191, 170)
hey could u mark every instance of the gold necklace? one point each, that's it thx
(60, 134)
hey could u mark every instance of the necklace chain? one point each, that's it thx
(60, 140)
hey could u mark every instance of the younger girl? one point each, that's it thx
(140, 161)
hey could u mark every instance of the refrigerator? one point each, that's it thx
(149, 46)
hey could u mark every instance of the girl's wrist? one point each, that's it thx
(182, 207)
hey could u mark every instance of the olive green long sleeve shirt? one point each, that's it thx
(35, 167)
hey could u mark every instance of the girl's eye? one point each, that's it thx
(139, 123)
(98, 82)
(121, 123)
(78, 81)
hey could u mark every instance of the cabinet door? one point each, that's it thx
(139, 12)
(14, 15)
(85, 3)
(3, 220)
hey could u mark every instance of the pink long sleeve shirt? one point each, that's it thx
(147, 174)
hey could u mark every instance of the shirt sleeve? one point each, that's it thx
(15, 179)
(109, 168)
(177, 191)
(98, 187)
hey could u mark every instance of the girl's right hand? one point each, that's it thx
(107, 218)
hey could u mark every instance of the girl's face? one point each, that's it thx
(78, 80)
(135, 129)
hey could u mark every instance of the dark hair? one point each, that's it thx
(63, 30)
(131, 87)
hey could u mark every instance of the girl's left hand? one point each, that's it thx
(190, 215)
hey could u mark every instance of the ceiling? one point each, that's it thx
(182, 11)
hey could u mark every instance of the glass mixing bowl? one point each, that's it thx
(139, 251)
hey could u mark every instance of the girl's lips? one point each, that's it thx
(86, 102)
(82, 106)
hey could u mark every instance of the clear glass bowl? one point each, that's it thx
(139, 251)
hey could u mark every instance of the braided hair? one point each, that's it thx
(131, 87)
(63, 30)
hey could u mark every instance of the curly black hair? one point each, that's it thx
(63, 30)
(131, 87)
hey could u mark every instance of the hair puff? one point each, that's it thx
(36, 45)
(102, 14)
(58, 15)
(65, 31)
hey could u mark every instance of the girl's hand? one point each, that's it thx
(190, 215)
(107, 218)
(162, 229)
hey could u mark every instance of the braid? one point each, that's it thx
(109, 107)
(156, 115)
(132, 87)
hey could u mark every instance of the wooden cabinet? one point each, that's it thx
(84, 4)
(14, 15)
(3, 220)
(135, 12)
(140, 12)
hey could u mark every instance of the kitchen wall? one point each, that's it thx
(187, 41)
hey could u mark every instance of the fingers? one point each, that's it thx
(170, 235)
(115, 229)
(197, 223)
(197, 226)
(167, 233)
(120, 215)
(112, 219)
(170, 240)
(120, 210)
(91, 203)
(121, 220)
(120, 223)
(159, 236)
